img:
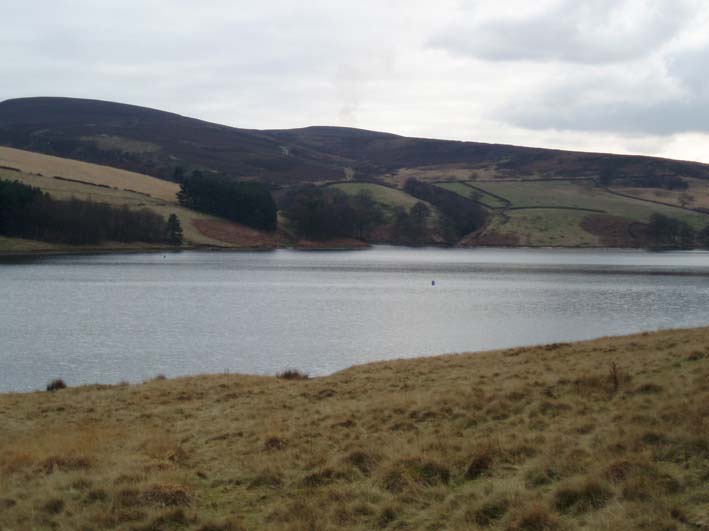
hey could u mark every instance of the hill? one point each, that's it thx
(156, 142)
(604, 434)
(152, 142)
(533, 197)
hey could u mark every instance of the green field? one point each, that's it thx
(384, 195)
(585, 195)
(545, 228)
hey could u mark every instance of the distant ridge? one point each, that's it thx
(157, 142)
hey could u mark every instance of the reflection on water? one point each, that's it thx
(129, 317)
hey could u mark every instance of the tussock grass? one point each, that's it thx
(606, 435)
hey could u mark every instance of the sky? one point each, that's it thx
(620, 76)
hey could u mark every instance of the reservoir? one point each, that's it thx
(129, 317)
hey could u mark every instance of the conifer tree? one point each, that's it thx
(174, 230)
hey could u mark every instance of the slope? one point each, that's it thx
(156, 142)
(604, 434)
(153, 142)
(66, 178)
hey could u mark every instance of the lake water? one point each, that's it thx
(108, 318)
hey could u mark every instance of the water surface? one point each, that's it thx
(107, 318)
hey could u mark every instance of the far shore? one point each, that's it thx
(298, 246)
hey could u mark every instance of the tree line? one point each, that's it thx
(670, 233)
(326, 212)
(612, 176)
(320, 213)
(245, 202)
(459, 216)
(27, 212)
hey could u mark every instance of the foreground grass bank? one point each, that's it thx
(608, 434)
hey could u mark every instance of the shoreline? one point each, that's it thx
(210, 249)
(417, 359)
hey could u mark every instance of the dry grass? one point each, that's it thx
(611, 434)
(73, 169)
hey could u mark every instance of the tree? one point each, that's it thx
(174, 230)
(459, 215)
(703, 237)
(27, 212)
(607, 176)
(367, 213)
(178, 174)
(410, 227)
(687, 237)
(420, 212)
(663, 231)
(320, 212)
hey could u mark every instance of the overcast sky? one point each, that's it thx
(623, 76)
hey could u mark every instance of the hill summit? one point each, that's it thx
(157, 143)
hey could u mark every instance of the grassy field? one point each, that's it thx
(118, 187)
(584, 194)
(17, 245)
(557, 226)
(611, 434)
(50, 166)
(696, 195)
(544, 228)
(384, 195)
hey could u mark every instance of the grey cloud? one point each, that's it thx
(600, 31)
(661, 118)
(673, 100)
(690, 68)
(373, 64)
(259, 62)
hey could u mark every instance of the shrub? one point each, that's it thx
(56, 384)
(292, 374)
